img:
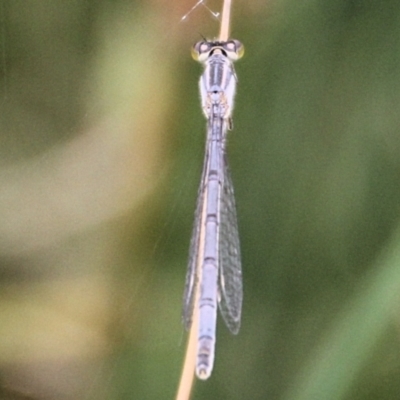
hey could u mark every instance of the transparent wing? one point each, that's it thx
(191, 274)
(230, 275)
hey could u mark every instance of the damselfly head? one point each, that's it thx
(233, 49)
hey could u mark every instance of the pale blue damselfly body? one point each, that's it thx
(214, 263)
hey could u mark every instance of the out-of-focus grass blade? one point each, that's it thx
(332, 369)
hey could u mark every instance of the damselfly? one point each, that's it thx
(214, 264)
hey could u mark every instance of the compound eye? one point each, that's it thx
(201, 51)
(234, 49)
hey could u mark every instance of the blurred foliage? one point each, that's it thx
(101, 145)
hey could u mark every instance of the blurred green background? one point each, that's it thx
(101, 147)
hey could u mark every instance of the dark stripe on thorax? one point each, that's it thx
(217, 73)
